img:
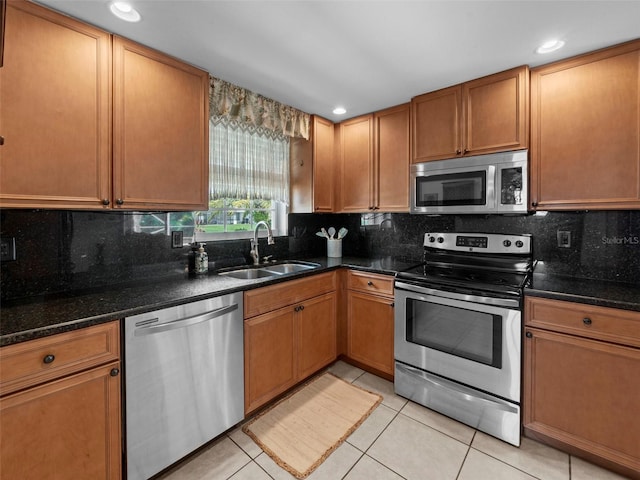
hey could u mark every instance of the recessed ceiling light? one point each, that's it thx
(124, 11)
(550, 46)
(339, 111)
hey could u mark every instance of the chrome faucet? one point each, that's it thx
(254, 241)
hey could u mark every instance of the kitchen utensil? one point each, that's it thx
(342, 233)
(322, 234)
(323, 230)
(332, 232)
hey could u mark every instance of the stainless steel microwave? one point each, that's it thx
(482, 184)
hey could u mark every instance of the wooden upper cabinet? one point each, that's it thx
(55, 111)
(160, 130)
(486, 115)
(585, 131)
(391, 156)
(312, 169)
(374, 151)
(436, 120)
(356, 154)
(323, 165)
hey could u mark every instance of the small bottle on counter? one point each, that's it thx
(202, 260)
(191, 259)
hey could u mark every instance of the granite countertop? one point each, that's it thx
(40, 317)
(625, 296)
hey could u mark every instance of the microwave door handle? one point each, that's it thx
(492, 197)
(463, 393)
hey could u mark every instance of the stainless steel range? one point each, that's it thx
(458, 326)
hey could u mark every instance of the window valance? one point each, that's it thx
(236, 103)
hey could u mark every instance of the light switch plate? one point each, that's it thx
(7, 249)
(176, 239)
(564, 239)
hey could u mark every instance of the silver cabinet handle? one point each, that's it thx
(183, 322)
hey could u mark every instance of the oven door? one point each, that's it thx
(458, 337)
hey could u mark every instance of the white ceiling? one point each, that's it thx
(363, 55)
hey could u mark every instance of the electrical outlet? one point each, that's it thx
(564, 239)
(176, 239)
(7, 249)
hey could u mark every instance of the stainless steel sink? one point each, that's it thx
(251, 273)
(284, 268)
(248, 273)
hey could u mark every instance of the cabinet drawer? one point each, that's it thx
(609, 324)
(370, 282)
(266, 299)
(36, 361)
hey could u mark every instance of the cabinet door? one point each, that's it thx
(55, 111)
(370, 330)
(323, 165)
(585, 131)
(391, 155)
(160, 131)
(356, 153)
(316, 334)
(496, 113)
(301, 175)
(437, 117)
(584, 393)
(68, 428)
(269, 356)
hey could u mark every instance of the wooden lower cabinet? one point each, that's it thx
(286, 345)
(67, 427)
(316, 325)
(270, 363)
(370, 321)
(582, 394)
(370, 331)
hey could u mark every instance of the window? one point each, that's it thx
(249, 181)
(236, 218)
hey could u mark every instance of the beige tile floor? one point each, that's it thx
(400, 440)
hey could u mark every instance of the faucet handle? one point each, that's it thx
(266, 259)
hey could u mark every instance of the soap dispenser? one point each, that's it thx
(202, 260)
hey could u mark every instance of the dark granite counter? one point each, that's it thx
(602, 293)
(39, 317)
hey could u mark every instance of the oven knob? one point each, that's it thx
(507, 243)
(440, 239)
(432, 239)
(519, 244)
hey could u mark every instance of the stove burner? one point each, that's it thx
(500, 271)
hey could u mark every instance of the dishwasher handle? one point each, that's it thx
(182, 322)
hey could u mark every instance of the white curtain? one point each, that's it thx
(247, 161)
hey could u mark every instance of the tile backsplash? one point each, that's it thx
(63, 251)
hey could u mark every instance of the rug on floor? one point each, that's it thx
(301, 430)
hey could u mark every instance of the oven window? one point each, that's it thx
(467, 188)
(469, 334)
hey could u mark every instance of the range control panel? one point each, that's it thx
(479, 242)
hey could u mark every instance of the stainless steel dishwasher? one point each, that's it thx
(184, 380)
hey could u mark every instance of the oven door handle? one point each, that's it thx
(501, 302)
(466, 394)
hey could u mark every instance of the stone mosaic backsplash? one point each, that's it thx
(67, 251)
